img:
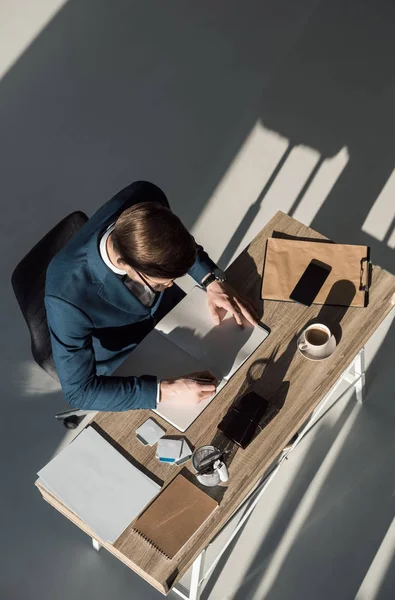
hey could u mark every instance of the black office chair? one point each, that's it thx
(28, 282)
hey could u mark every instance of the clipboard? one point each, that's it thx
(347, 284)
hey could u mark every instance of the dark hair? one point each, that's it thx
(151, 239)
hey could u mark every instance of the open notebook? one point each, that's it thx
(186, 341)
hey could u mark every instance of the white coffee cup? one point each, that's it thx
(315, 339)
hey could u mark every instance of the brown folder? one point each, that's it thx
(286, 261)
(174, 516)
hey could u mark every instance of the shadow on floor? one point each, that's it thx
(345, 523)
(106, 94)
(336, 90)
(112, 92)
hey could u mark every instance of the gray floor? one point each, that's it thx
(236, 110)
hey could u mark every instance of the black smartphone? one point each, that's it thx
(246, 418)
(311, 282)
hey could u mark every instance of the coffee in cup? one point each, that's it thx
(317, 336)
(315, 339)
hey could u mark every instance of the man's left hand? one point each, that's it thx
(222, 298)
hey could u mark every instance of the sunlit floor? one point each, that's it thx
(236, 114)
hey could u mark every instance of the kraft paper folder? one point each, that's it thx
(174, 516)
(286, 261)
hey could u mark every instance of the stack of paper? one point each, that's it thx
(98, 484)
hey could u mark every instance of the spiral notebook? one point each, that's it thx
(174, 516)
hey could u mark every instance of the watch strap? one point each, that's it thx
(209, 279)
(216, 275)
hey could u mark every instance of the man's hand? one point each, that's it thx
(186, 389)
(222, 298)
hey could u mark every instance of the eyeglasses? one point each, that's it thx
(155, 287)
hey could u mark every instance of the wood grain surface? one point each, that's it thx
(277, 371)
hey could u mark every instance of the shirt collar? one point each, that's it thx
(104, 253)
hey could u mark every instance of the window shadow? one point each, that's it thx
(336, 89)
(351, 512)
(300, 482)
(112, 92)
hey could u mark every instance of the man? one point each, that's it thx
(109, 286)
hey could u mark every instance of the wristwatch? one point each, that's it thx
(216, 275)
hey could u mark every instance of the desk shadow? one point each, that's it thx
(246, 277)
(265, 377)
(286, 236)
(366, 448)
(216, 492)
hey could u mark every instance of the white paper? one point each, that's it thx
(182, 415)
(186, 451)
(150, 431)
(169, 448)
(222, 348)
(192, 311)
(157, 355)
(98, 484)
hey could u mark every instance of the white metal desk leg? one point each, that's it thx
(359, 366)
(96, 544)
(197, 575)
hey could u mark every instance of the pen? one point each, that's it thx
(209, 460)
(202, 379)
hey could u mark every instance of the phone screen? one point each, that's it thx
(246, 418)
(310, 283)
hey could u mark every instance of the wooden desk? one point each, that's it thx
(277, 371)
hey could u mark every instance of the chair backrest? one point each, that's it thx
(28, 282)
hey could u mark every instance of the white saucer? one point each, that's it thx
(329, 350)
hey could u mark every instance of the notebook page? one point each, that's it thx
(223, 348)
(157, 355)
(186, 341)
